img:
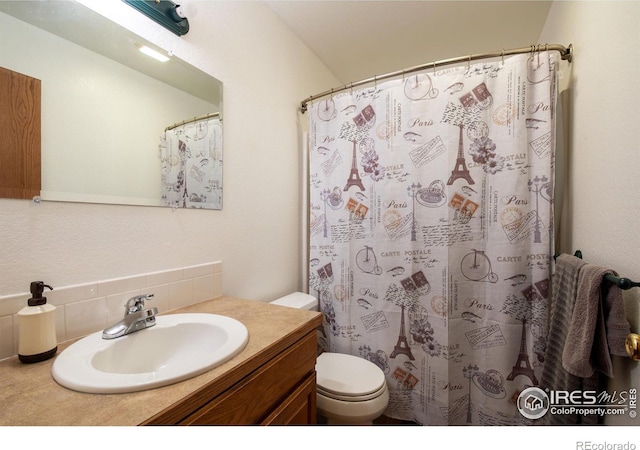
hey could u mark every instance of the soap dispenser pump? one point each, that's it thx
(37, 339)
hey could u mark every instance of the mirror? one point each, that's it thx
(106, 109)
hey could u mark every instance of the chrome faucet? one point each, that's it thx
(136, 318)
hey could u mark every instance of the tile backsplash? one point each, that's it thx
(86, 308)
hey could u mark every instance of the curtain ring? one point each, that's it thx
(434, 69)
(351, 88)
(403, 75)
(375, 81)
(469, 63)
(502, 57)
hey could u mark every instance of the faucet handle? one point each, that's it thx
(135, 304)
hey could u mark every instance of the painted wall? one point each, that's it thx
(603, 94)
(266, 71)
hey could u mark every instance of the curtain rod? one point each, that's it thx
(566, 53)
(195, 119)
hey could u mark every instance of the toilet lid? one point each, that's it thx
(348, 375)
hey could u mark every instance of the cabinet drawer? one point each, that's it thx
(254, 398)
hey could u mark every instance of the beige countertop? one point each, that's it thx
(30, 396)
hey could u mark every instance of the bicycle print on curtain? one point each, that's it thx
(431, 235)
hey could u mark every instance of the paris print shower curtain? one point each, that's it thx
(431, 233)
(191, 165)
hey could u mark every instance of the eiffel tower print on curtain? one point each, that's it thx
(402, 346)
(354, 132)
(522, 365)
(461, 114)
(354, 176)
(460, 170)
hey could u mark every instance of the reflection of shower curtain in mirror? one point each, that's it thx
(191, 158)
(431, 233)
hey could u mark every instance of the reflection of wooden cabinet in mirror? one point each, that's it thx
(19, 135)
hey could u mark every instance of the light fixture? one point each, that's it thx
(164, 12)
(151, 52)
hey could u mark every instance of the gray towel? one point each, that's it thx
(598, 325)
(616, 324)
(564, 291)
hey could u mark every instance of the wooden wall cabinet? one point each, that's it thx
(280, 392)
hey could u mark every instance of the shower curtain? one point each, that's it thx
(191, 165)
(431, 233)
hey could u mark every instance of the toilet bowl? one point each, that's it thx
(350, 389)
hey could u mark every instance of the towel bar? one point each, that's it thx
(622, 283)
(632, 342)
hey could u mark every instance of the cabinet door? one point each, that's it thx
(256, 397)
(299, 408)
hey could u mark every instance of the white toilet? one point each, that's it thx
(350, 389)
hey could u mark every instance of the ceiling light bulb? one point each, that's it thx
(154, 54)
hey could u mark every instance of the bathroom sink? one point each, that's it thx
(178, 347)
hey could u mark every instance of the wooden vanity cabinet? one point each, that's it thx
(282, 391)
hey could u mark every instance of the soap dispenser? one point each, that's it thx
(37, 339)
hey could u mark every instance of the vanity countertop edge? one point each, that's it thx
(30, 396)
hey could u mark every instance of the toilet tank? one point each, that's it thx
(298, 300)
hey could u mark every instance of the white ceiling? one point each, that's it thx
(357, 40)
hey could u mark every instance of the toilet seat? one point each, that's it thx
(350, 398)
(348, 378)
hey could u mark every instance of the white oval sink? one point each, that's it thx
(178, 347)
